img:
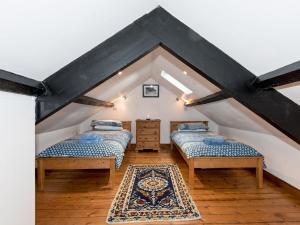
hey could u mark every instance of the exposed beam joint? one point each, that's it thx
(285, 75)
(15, 83)
(218, 96)
(85, 100)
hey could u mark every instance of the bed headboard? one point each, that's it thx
(174, 124)
(126, 125)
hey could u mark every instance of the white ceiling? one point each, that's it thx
(291, 91)
(40, 37)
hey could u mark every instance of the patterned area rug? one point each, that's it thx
(152, 193)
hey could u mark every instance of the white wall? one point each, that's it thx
(17, 168)
(282, 155)
(45, 140)
(165, 108)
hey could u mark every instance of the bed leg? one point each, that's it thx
(259, 173)
(191, 173)
(112, 173)
(40, 174)
(172, 145)
(129, 146)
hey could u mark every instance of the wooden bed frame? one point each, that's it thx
(61, 163)
(218, 162)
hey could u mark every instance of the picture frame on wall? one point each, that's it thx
(151, 91)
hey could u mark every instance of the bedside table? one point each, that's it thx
(147, 135)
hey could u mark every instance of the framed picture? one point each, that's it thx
(150, 90)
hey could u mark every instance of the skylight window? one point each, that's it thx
(176, 83)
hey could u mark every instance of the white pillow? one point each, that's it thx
(114, 123)
(107, 128)
(197, 130)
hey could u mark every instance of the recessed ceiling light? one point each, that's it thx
(120, 73)
(184, 72)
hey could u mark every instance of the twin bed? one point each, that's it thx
(198, 154)
(108, 154)
(71, 154)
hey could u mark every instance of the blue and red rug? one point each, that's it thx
(152, 193)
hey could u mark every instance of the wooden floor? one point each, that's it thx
(222, 197)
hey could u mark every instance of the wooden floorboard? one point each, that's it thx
(222, 196)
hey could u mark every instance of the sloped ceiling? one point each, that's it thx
(291, 91)
(113, 88)
(150, 66)
(40, 37)
(227, 113)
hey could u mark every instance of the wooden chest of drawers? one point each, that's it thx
(147, 134)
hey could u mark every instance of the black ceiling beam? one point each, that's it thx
(86, 100)
(94, 67)
(218, 96)
(15, 83)
(161, 28)
(285, 75)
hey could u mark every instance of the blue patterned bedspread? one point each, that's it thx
(114, 144)
(193, 146)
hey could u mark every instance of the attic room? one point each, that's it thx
(160, 115)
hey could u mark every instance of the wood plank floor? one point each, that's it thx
(222, 196)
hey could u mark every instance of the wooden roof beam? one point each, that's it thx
(284, 75)
(218, 96)
(15, 83)
(86, 100)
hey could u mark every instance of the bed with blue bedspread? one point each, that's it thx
(203, 149)
(101, 148)
(193, 145)
(113, 143)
